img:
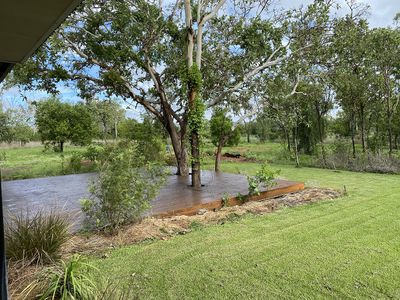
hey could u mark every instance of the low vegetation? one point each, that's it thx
(126, 184)
(37, 238)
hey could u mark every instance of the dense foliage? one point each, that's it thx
(223, 133)
(59, 122)
(126, 184)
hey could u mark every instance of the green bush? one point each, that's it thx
(75, 162)
(94, 153)
(265, 177)
(170, 159)
(152, 148)
(126, 184)
(38, 238)
(3, 156)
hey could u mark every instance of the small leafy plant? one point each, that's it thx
(225, 200)
(74, 162)
(265, 178)
(242, 198)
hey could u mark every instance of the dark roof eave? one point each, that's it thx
(6, 67)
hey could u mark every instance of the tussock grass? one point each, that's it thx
(36, 238)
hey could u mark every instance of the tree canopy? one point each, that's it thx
(59, 122)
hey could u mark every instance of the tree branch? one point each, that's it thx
(212, 13)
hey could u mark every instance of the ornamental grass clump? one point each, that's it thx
(71, 279)
(126, 184)
(37, 238)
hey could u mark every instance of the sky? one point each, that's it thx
(381, 14)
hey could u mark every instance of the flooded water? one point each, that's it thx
(62, 193)
(57, 193)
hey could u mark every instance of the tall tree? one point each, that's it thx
(145, 53)
(59, 123)
(108, 113)
(385, 48)
(352, 71)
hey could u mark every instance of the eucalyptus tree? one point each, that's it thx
(352, 71)
(108, 114)
(385, 50)
(173, 59)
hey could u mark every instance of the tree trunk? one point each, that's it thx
(320, 132)
(195, 147)
(296, 152)
(389, 112)
(61, 147)
(192, 92)
(217, 166)
(179, 147)
(287, 135)
(353, 132)
(362, 117)
(105, 129)
(221, 144)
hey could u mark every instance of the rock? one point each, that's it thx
(202, 211)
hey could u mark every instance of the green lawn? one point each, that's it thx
(347, 248)
(32, 161)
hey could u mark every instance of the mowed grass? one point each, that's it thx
(338, 249)
(32, 161)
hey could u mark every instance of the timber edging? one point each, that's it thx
(217, 203)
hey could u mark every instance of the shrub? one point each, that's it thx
(209, 152)
(341, 159)
(225, 199)
(123, 190)
(94, 153)
(264, 177)
(170, 159)
(251, 156)
(75, 162)
(3, 156)
(38, 238)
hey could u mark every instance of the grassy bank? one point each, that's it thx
(31, 161)
(347, 248)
